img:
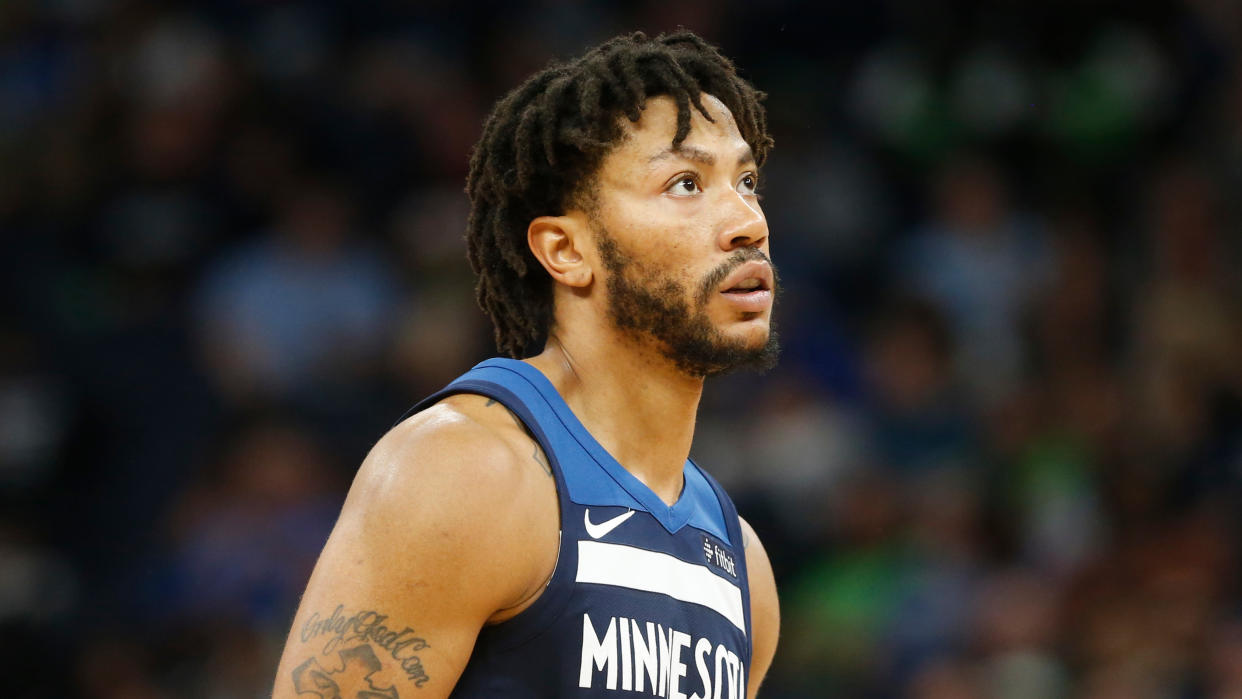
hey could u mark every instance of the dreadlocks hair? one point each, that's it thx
(544, 142)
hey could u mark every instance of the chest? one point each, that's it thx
(652, 611)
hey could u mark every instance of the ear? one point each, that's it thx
(555, 242)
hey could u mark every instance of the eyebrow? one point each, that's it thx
(699, 155)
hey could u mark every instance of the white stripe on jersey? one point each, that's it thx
(651, 571)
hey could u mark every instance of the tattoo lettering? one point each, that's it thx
(352, 680)
(367, 628)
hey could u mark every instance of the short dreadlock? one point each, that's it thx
(543, 144)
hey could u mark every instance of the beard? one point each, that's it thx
(657, 306)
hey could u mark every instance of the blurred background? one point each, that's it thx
(1002, 456)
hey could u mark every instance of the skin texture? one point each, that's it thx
(452, 521)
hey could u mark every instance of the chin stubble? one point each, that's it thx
(659, 310)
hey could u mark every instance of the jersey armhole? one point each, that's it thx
(554, 597)
(734, 526)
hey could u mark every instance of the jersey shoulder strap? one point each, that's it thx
(584, 469)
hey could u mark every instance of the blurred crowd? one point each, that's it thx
(1001, 457)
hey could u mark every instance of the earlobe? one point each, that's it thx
(554, 240)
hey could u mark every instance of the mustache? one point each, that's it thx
(737, 259)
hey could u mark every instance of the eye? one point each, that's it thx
(748, 183)
(685, 184)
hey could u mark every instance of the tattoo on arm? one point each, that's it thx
(541, 459)
(745, 538)
(538, 456)
(353, 646)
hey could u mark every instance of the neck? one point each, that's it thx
(635, 403)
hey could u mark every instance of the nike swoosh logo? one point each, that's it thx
(601, 529)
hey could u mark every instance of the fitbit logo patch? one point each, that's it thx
(718, 557)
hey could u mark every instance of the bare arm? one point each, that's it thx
(765, 611)
(445, 529)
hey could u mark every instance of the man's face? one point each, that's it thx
(685, 243)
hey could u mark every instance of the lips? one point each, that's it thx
(752, 277)
(748, 288)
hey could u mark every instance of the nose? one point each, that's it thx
(743, 224)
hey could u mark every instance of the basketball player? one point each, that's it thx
(536, 529)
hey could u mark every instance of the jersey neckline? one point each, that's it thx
(674, 516)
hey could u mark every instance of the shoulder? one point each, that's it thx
(445, 529)
(456, 480)
(464, 440)
(428, 453)
(765, 612)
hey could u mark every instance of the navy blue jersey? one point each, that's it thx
(646, 598)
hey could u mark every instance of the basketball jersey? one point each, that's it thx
(646, 599)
